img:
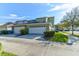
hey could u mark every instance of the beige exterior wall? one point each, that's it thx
(3, 28)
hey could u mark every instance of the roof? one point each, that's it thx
(31, 25)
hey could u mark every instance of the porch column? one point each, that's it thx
(47, 27)
(13, 29)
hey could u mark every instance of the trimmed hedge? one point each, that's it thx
(24, 31)
(6, 32)
(49, 33)
(59, 37)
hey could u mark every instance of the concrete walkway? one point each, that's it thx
(71, 39)
(25, 47)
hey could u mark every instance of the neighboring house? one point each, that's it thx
(6, 26)
(36, 26)
(3, 27)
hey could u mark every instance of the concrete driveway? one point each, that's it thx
(32, 36)
(23, 47)
(38, 48)
(29, 36)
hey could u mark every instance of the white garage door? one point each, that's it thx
(37, 30)
(17, 30)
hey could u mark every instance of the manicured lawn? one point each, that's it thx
(65, 32)
(77, 35)
(59, 37)
(1, 49)
(7, 54)
(3, 53)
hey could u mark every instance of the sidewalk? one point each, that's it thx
(72, 39)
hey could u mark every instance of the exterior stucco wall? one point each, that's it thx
(3, 28)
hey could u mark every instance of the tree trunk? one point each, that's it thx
(72, 30)
(73, 26)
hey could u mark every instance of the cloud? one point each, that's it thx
(64, 7)
(13, 16)
(50, 4)
(1, 24)
(61, 9)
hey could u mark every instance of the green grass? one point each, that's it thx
(77, 35)
(1, 49)
(3, 53)
(65, 32)
(59, 37)
(7, 54)
(0, 46)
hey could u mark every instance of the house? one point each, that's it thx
(6, 26)
(36, 26)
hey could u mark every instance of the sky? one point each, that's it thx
(11, 12)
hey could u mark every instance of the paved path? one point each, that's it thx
(25, 47)
(71, 39)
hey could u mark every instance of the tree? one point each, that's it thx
(65, 24)
(72, 16)
(59, 27)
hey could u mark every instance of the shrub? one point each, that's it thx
(4, 32)
(49, 33)
(59, 37)
(24, 31)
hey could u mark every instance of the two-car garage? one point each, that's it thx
(32, 30)
(38, 28)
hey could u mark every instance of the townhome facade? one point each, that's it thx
(36, 26)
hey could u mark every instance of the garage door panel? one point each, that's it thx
(17, 30)
(37, 30)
